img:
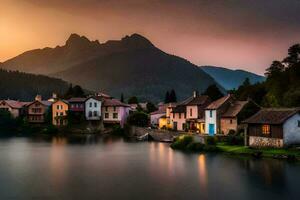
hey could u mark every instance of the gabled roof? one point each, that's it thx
(77, 100)
(98, 98)
(45, 103)
(114, 102)
(272, 116)
(62, 100)
(198, 100)
(235, 109)
(179, 109)
(218, 103)
(15, 104)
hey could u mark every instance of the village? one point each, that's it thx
(197, 116)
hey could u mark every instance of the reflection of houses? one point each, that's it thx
(236, 112)
(115, 112)
(274, 127)
(93, 108)
(213, 113)
(60, 112)
(16, 108)
(37, 110)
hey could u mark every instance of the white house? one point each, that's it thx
(213, 114)
(93, 108)
(274, 127)
(115, 112)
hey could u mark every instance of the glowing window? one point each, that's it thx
(266, 129)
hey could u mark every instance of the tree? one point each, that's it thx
(172, 97)
(78, 91)
(69, 92)
(275, 69)
(133, 100)
(213, 92)
(140, 119)
(150, 107)
(167, 97)
(122, 98)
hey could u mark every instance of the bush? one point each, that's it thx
(210, 140)
(140, 119)
(50, 129)
(235, 140)
(195, 146)
(182, 142)
(117, 130)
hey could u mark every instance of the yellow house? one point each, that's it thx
(59, 113)
(164, 123)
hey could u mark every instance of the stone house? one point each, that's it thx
(275, 127)
(16, 108)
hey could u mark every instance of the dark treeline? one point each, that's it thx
(282, 86)
(24, 86)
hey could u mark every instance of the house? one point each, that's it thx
(156, 115)
(77, 104)
(93, 107)
(37, 110)
(237, 112)
(189, 114)
(134, 106)
(60, 110)
(16, 108)
(115, 112)
(274, 127)
(213, 113)
(164, 122)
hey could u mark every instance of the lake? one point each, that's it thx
(113, 168)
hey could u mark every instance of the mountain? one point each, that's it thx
(132, 66)
(230, 79)
(23, 86)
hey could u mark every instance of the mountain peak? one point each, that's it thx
(137, 41)
(76, 40)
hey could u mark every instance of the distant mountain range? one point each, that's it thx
(23, 86)
(231, 79)
(132, 66)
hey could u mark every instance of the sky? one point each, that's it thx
(237, 34)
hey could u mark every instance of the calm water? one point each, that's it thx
(110, 168)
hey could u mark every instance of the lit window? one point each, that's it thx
(266, 129)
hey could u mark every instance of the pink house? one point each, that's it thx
(115, 112)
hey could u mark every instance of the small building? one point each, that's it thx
(156, 115)
(235, 114)
(60, 110)
(213, 113)
(178, 118)
(115, 112)
(77, 104)
(274, 127)
(93, 107)
(37, 111)
(16, 108)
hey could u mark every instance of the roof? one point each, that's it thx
(15, 104)
(161, 111)
(103, 95)
(179, 109)
(219, 102)
(198, 100)
(77, 100)
(62, 100)
(45, 103)
(235, 109)
(114, 102)
(94, 97)
(272, 116)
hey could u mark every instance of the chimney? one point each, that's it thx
(54, 96)
(38, 98)
(195, 94)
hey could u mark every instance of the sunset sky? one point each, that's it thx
(246, 34)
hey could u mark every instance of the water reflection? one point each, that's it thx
(202, 172)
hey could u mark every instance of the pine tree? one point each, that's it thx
(173, 97)
(167, 97)
(122, 98)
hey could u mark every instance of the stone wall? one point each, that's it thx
(156, 134)
(255, 141)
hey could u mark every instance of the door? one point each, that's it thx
(211, 129)
(175, 126)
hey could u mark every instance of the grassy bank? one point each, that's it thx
(186, 143)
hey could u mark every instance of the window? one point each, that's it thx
(61, 113)
(210, 113)
(95, 105)
(114, 108)
(56, 113)
(231, 121)
(266, 129)
(106, 109)
(115, 115)
(106, 115)
(95, 113)
(179, 115)
(90, 114)
(57, 107)
(191, 112)
(91, 104)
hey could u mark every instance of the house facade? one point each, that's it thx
(214, 112)
(274, 127)
(60, 110)
(37, 111)
(156, 115)
(93, 106)
(77, 104)
(115, 112)
(16, 108)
